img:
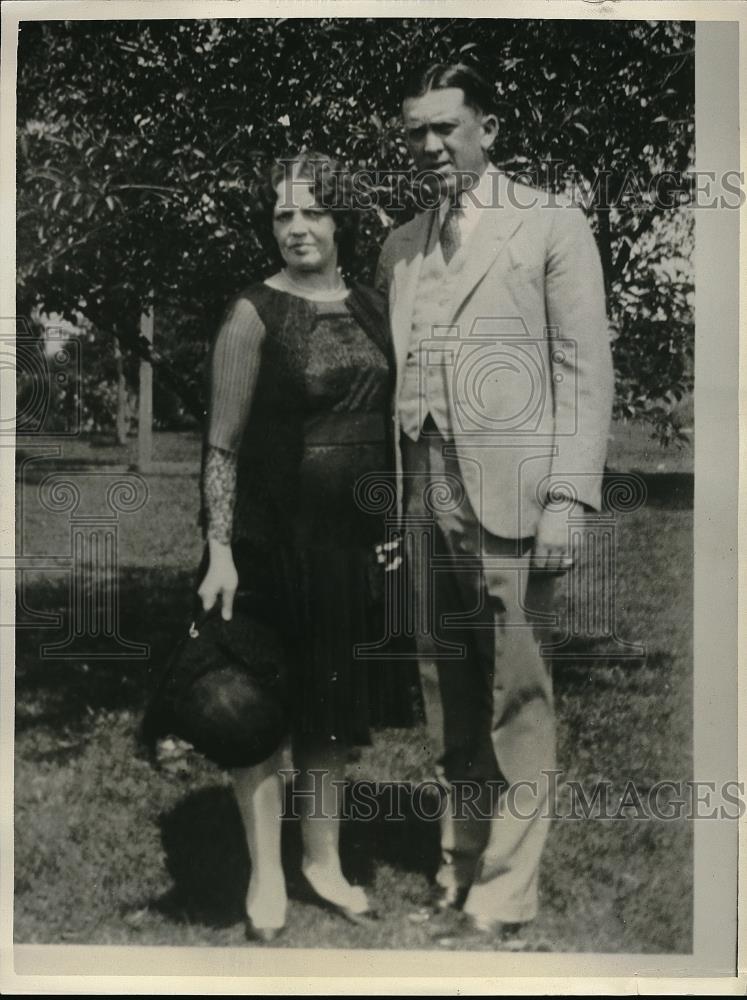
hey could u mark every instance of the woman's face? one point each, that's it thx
(305, 232)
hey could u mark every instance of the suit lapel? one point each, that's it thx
(496, 225)
(406, 276)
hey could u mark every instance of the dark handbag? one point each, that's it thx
(224, 690)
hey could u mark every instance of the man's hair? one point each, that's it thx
(478, 94)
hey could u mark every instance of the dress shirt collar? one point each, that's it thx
(478, 197)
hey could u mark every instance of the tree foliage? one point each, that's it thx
(141, 144)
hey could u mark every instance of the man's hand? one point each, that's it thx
(551, 545)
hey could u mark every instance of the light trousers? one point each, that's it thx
(480, 613)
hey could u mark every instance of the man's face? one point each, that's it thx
(447, 137)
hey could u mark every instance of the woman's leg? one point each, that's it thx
(259, 794)
(321, 763)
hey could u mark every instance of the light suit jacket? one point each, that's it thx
(527, 351)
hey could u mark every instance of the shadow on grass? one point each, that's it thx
(63, 693)
(610, 672)
(206, 855)
(663, 490)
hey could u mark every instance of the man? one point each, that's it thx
(502, 407)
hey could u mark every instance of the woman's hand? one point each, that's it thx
(221, 579)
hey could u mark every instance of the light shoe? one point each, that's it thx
(353, 905)
(264, 935)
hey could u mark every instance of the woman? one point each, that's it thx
(300, 383)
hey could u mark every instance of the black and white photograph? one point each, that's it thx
(361, 454)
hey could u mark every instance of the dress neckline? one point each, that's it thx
(313, 297)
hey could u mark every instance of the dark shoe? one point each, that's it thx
(462, 928)
(441, 900)
(444, 897)
(365, 919)
(264, 935)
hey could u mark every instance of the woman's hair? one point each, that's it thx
(332, 186)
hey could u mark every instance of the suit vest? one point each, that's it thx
(424, 387)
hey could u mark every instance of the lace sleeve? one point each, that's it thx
(219, 487)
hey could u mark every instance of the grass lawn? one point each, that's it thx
(110, 851)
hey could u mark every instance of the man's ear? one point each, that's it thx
(489, 131)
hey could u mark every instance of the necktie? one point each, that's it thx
(450, 236)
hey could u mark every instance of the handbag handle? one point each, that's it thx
(199, 617)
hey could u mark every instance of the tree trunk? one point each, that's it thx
(171, 377)
(605, 248)
(123, 405)
(145, 398)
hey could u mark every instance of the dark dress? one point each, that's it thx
(301, 392)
